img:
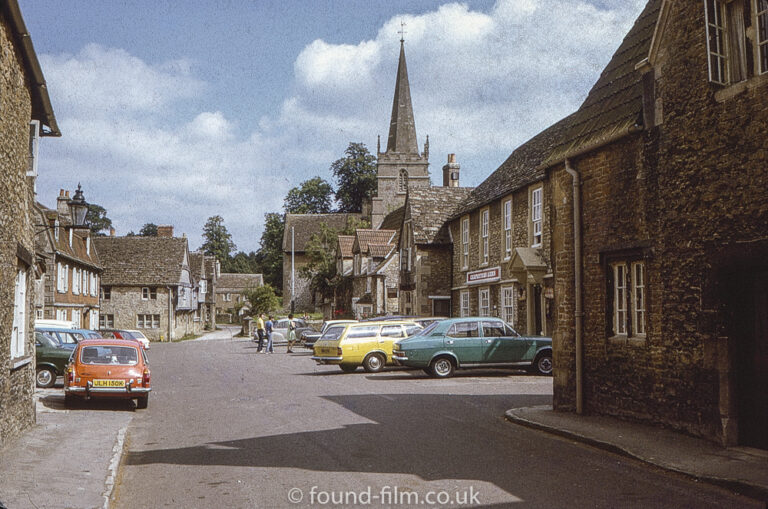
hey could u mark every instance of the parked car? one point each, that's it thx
(108, 368)
(68, 338)
(126, 334)
(280, 329)
(429, 320)
(51, 359)
(308, 337)
(386, 318)
(483, 342)
(369, 344)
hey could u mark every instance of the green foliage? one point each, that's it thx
(242, 263)
(96, 219)
(270, 255)
(262, 299)
(218, 241)
(321, 267)
(355, 177)
(148, 230)
(313, 196)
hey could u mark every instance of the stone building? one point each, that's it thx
(26, 116)
(425, 249)
(73, 273)
(667, 157)
(203, 269)
(374, 257)
(146, 284)
(303, 227)
(400, 167)
(230, 288)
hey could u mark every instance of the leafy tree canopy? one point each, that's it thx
(262, 299)
(217, 240)
(242, 263)
(355, 177)
(148, 230)
(313, 196)
(270, 255)
(97, 219)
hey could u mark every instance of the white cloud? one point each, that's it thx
(150, 146)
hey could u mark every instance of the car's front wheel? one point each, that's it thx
(45, 377)
(442, 367)
(542, 364)
(374, 363)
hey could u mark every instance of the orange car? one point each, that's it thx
(108, 368)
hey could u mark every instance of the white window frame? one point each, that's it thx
(19, 327)
(484, 226)
(508, 299)
(144, 293)
(106, 321)
(66, 278)
(761, 43)
(464, 303)
(75, 281)
(56, 230)
(537, 216)
(506, 222)
(77, 319)
(484, 302)
(59, 277)
(638, 298)
(94, 320)
(619, 299)
(368, 284)
(203, 286)
(716, 40)
(61, 314)
(465, 243)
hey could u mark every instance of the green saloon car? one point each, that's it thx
(483, 342)
(51, 359)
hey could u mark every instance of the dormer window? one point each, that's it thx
(731, 39)
(71, 232)
(56, 230)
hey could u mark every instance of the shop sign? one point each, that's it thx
(484, 276)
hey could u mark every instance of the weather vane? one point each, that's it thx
(402, 31)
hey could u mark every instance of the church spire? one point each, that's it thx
(402, 129)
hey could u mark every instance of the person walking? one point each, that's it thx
(260, 332)
(268, 330)
(291, 333)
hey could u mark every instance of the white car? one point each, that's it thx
(140, 337)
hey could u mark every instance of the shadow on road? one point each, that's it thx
(56, 402)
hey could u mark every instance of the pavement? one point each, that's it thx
(740, 469)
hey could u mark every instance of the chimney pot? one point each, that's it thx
(451, 158)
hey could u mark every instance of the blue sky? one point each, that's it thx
(175, 111)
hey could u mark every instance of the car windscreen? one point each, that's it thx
(109, 354)
(46, 340)
(66, 337)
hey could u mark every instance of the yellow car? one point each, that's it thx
(369, 344)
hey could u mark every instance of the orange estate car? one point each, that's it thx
(108, 368)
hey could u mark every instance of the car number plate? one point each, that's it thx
(109, 383)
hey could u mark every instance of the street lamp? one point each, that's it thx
(78, 208)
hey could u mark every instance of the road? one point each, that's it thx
(227, 427)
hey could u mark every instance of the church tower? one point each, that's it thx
(401, 166)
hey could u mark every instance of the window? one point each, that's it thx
(402, 181)
(66, 278)
(94, 320)
(465, 243)
(147, 321)
(145, 293)
(484, 301)
(536, 217)
(728, 46)
(493, 329)
(60, 278)
(106, 292)
(203, 286)
(463, 330)
(507, 222)
(509, 305)
(484, 237)
(391, 293)
(629, 299)
(368, 285)
(85, 274)
(61, 314)
(77, 319)
(94, 285)
(19, 327)
(464, 303)
(761, 15)
(716, 42)
(392, 331)
(75, 281)
(56, 230)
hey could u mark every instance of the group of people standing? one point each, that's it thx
(264, 331)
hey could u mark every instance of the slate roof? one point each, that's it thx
(394, 221)
(612, 108)
(141, 261)
(363, 237)
(429, 209)
(233, 283)
(345, 245)
(45, 241)
(196, 264)
(305, 225)
(380, 250)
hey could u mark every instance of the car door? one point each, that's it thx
(387, 337)
(501, 344)
(463, 339)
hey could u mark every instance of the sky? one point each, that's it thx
(174, 111)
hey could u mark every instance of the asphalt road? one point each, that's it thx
(227, 427)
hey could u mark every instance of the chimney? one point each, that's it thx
(111, 232)
(451, 172)
(62, 207)
(165, 230)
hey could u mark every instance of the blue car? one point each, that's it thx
(68, 338)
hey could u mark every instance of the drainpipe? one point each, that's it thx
(170, 312)
(577, 263)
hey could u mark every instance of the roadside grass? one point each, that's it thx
(187, 337)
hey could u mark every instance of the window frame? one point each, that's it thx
(639, 298)
(761, 46)
(627, 303)
(464, 304)
(719, 73)
(18, 346)
(508, 302)
(506, 224)
(465, 242)
(537, 216)
(484, 225)
(484, 294)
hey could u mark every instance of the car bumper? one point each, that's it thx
(327, 360)
(127, 391)
(399, 361)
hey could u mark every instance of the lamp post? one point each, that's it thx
(78, 208)
(293, 274)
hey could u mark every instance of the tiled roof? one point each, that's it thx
(380, 250)
(305, 225)
(345, 245)
(394, 221)
(612, 108)
(615, 103)
(135, 261)
(196, 264)
(363, 237)
(429, 209)
(229, 282)
(46, 241)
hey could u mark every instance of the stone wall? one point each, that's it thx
(303, 293)
(126, 303)
(17, 407)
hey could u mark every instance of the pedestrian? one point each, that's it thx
(260, 332)
(291, 333)
(268, 330)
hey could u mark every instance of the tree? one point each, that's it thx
(262, 299)
(242, 263)
(218, 241)
(355, 177)
(313, 196)
(270, 255)
(321, 268)
(97, 219)
(148, 230)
